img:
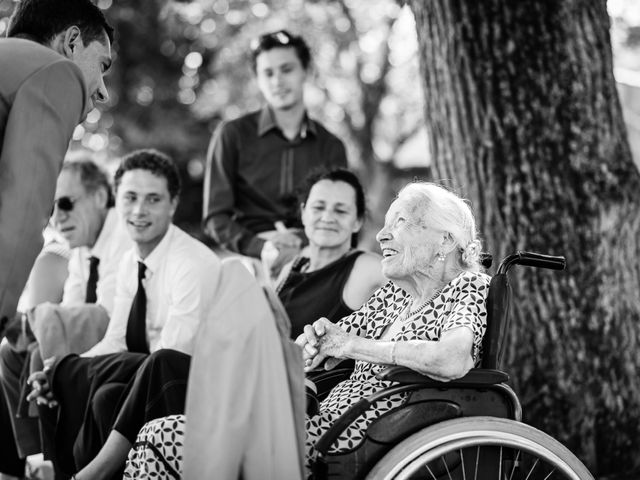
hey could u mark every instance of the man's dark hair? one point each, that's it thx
(42, 20)
(153, 161)
(92, 177)
(338, 175)
(280, 39)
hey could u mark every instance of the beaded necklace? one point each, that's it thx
(407, 313)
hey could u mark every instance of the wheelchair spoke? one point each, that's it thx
(515, 465)
(532, 469)
(500, 465)
(464, 474)
(432, 475)
(475, 475)
(446, 467)
(545, 478)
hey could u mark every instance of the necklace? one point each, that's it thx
(408, 313)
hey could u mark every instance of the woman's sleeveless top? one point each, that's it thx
(307, 296)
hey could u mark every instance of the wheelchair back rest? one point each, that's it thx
(499, 299)
(498, 305)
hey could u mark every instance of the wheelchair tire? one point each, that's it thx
(479, 448)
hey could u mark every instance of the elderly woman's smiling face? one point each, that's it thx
(409, 246)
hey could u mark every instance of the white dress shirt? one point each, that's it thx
(180, 281)
(112, 243)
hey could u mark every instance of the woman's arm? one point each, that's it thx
(365, 278)
(446, 359)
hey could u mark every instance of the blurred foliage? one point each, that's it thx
(181, 67)
(625, 32)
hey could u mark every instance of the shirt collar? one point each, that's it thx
(157, 255)
(267, 122)
(106, 233)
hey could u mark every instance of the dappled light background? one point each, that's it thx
(182, 67)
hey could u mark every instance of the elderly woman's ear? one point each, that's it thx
(448, 244)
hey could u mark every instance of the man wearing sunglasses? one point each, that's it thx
(256, 162)
(51, 76)
(83, 213)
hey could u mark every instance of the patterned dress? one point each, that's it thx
(461, 303)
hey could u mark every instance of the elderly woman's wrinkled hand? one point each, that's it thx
(320, 341)
(309, 341)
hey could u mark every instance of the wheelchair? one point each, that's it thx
(466, 429)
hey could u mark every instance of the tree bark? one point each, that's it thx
(524, 120)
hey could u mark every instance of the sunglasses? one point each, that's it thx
(64, 204)
(271, 40)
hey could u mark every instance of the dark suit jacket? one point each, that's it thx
(42, 98)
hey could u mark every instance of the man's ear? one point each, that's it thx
(71, 39)
(102, 197)
(174, 205)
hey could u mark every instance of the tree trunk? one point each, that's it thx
(524, 120)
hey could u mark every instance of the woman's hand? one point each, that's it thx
(309, 341)
(322, 340)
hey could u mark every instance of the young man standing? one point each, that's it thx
(51, 76)
(256, 162)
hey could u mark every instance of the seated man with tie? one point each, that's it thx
(84, 216)
(164, 288)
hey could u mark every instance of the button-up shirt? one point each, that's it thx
(180, 280)
(111, 245)
(253, 172)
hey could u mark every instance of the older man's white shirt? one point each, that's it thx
(112, 244)
(182, 275)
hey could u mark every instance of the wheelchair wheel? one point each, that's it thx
(479, 448)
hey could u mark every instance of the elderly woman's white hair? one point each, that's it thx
(444, 210)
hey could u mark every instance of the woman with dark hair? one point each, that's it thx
(330, 278)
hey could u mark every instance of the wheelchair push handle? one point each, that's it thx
(531, 259)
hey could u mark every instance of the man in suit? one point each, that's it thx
(52, 75)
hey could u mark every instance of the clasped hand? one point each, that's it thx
(321, 341)
(40, 388)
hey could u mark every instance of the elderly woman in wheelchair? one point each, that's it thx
(429, 317)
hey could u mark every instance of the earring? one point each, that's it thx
(441, 257)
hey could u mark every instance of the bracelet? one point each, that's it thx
(393, 353)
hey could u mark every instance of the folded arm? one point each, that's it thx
(446, 359)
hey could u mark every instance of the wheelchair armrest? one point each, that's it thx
(407, 380)
(474, 378)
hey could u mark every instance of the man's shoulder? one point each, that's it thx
(323, 133)
(27, 59)
(28, 56)
(246, 122)
(186, 251)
